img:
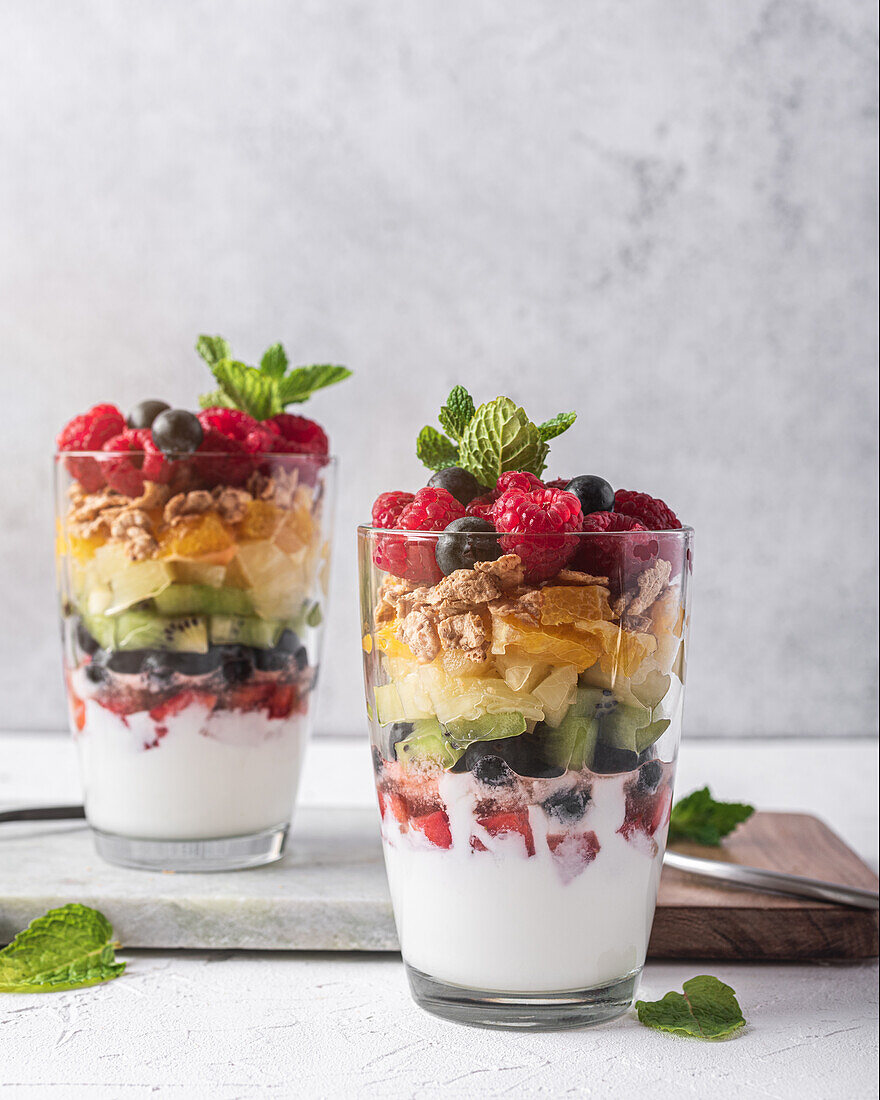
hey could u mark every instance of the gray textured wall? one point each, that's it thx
(661, 213)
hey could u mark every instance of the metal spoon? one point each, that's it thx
(775, 882)
(44, 813)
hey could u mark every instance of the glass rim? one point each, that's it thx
(683, 532)
(175, 456)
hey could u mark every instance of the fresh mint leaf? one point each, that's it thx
(247, 388)
(300, 383)
(213, 348)
(457, 413)
(560, 423)
(274, 361)
(708, 1009)
(699, 818)
(66, 948)
(216, 399)
(435, 450)
(501, 437)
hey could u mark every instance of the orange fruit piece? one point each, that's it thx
(83, 549)
(261, 520)
(574, 603)
(387, 641)
(200, 537)
(558, 645)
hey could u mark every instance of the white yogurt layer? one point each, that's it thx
(211, 775)
(499, 920)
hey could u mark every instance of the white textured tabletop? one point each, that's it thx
(248, 1024)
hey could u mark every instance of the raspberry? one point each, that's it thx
(90, 432)
(549, 512)
(558, 483)
(135, 458)
(388, 506)
(655, 514)
(513, 481)
(221, 460)
(517, 479)
(431, 509)
(618, 557)
(481, 507)
(233, 423)
(305, 435)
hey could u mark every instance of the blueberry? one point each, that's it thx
(164, 663)
(487, 766)
(237, 664)
(144, 413)
(85, 641)
(127, 661)
(461, 484)
(377, 760)
(650, 775)
(465, 541)
(524, 755)
(289, 642)
(608, 759)
(568, 805)
(176, 431)
(594, 493)
(96, 672)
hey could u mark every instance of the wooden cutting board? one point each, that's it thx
(704, 918)
(329, 893)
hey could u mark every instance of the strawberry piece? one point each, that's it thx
(477, 845)
(250, 696)
(646, 813)
(518, 822)
(283, 701)
(435, 827)
(572, 852)
(180, 702)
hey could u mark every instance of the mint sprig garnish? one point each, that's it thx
(699, 818)
(489, 440)
(67, 948)
(708, 1009)
(266, 390)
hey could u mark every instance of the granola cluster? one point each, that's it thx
(136, 522)
(456, 614)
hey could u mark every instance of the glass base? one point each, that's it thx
(230, 853)
(529, 1011)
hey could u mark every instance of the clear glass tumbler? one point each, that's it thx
(191, 610)
(524, 737)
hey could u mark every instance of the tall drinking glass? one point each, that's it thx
(524, 742)
(191, 613)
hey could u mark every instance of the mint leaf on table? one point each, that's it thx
(300, 383)
(699, 818)
(213, 348)
(274, 361)
(457, 413)
(67, 948)
(500, 437)
(708, 1009)
(435, 450)
(560, 423)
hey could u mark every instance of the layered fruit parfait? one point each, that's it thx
(524, 646)
(193, 552)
